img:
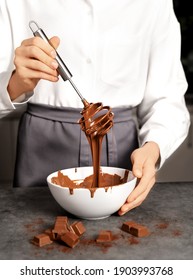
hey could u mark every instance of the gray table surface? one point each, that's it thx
(167, 212)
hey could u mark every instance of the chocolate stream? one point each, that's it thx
(96, 122)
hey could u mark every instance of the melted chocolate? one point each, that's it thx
(96, 122)
(106, 181)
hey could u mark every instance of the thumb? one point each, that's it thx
(137, 162)
(54, 42)
(137, 170)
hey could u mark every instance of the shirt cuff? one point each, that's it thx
(22, 99)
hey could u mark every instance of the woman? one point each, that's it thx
(125, 54)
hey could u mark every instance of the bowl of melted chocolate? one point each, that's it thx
(72, 189)
(92, 192)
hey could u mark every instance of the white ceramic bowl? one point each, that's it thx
(81, 204)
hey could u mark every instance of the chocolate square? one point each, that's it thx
(126, 226)
(50, 233)
(104, 236)
(139, 231)
(135, 229)
(60, 226)
(41, 240)
(78, 228)
(70, 238)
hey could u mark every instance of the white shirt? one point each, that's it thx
(121, 53)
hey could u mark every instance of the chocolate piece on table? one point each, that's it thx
(126, 226)
(139, 231)
(135, 229)
(78, 228)
(70, 238)
(60, 226)
(63, 219)
(50, 233)
(41, 240)
(104, 236)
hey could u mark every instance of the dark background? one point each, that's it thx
(182, 10)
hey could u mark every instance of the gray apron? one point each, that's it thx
(50, 139)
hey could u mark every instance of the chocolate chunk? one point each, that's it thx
(50, 233)
(70, 238)
(135, 229)
(61, 232)
(62, 219)
(41, 240)
(78, 228)
(104, 236)
(139, 231)
(126, 226)
(60, 226)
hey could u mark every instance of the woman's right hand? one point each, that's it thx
(34, 60)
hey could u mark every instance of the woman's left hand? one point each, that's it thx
(144, 160)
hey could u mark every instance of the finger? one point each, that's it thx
(40, 44)
(147, 176)
(138, 201)
(137, 170)
(27, 73)
(30, 53)
(37, 65)
(54, 41)
(144, 186)
(137, 162)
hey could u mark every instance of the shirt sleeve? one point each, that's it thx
(163, 115)
(7, 65)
